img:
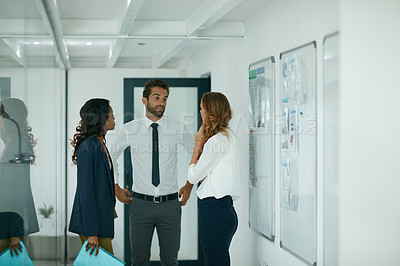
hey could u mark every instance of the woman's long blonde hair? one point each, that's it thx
(218, 113)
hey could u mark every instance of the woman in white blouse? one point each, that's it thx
(216, 164)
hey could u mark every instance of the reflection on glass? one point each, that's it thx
(17, 209)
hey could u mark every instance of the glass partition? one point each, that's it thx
(32, 137)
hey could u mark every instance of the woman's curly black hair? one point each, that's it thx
(15, 113)
(94, 114)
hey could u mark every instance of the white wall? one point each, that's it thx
(370, 92)
(280, 26)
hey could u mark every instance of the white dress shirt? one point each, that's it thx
(219, 164)
(137, 135)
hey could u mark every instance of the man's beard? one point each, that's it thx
(154, 111)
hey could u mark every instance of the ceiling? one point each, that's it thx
(116, 33)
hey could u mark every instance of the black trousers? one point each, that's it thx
(218, 223)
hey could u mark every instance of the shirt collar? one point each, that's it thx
(148, 122)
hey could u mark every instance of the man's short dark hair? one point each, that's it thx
(154, 83)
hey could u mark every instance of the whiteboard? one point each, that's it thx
(261, 147)
(331, 151)
(297, 151)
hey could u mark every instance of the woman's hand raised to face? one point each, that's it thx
(199, 138)
(198, 145)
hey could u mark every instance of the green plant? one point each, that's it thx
(46, 212)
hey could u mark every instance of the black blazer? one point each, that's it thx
(93, 209)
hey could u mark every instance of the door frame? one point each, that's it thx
(203, 85)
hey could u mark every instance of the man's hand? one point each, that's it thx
(15, 245)
(93, 244)
(123, 195)
(184, 192)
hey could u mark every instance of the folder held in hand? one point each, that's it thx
(102, 259)
(21, 259)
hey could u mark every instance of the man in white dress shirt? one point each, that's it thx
(154, 201)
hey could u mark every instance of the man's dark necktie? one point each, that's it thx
(155, 169)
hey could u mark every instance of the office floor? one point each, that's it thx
(50, 263)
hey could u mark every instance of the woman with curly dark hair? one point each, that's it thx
(93, 209)
(17, 209)
(216, 164)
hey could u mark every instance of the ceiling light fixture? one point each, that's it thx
(88, 43)
(36, 43)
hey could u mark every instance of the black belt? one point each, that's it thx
(156, 199)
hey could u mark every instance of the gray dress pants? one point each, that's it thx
(144, 216)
